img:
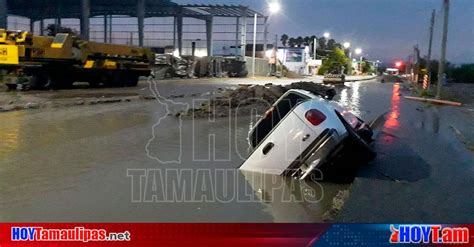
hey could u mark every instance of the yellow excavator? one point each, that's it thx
(44, 62)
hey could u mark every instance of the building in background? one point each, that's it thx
(214, 29)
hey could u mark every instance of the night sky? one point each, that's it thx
(384, 29)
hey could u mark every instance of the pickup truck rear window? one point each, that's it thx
(273, 116)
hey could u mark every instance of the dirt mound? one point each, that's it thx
(251, 98)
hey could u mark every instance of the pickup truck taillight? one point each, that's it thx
(315, 117)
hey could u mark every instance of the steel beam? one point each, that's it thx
(3, 14)
(237, 34)
(209, 34)
(85, 15)
(32, 26)
(179, 24)
(57, 20)
(111, 17)
(41, 27)
(243, 39)
(141, 21)
(174, 32)
(105, 29)
(265, 35)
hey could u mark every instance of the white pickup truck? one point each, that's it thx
(302, 132)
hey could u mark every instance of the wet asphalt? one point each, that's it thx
(71, 164)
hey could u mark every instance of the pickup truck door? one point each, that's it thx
(287, 141)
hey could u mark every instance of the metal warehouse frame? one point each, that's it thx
(84, 10)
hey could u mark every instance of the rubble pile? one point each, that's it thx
(169, 66)
(248, 99)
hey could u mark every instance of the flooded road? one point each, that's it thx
(105, 163)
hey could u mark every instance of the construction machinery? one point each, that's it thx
(44, 62)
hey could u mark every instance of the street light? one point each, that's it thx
(254, 43)
(347, 45)
(274, 7)
(327, 35)
(358, 51)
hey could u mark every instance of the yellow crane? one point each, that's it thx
(44, 62)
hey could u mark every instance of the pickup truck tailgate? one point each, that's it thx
(288, 140)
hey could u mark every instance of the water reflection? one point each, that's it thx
(350, 98)
(287, 199)
(392, 118)
(430, 114)
(10, 133)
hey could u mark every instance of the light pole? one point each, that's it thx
(315, 43)
(273, 7)
(377, 63)
(254, 43)
(326, 35)
(358, 51)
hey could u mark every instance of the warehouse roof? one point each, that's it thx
(49, 9)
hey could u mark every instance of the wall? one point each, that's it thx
(261, 66)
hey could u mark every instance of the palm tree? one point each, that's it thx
(292, 42)
(331, 44)
(322, 43)
(284, 39)
(307, 40)
(299, 41)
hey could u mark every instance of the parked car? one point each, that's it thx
(302, 132)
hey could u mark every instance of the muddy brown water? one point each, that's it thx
(71, 165)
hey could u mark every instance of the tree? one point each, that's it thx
(322, 43)
(333, 63)
(367, 67)
(284, 39)
(292, 42)
(434, 64)
(307, 40)
(463, 73)
(331, 44)
(299, 41)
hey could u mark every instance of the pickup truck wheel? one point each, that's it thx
(361, 149)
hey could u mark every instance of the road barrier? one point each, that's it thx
(426, 82)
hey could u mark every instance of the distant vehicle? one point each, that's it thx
(392, 71)
(302, 132)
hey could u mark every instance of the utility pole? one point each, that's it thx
(315, 43)
(444, 42)
(407, 68)
(416, 63)
(428, 59)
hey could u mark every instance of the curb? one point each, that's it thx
(365, 79)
